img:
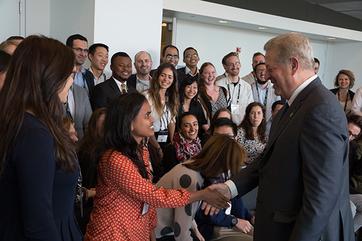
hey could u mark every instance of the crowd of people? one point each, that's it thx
(131, 156)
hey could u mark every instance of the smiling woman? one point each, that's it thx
(163, 98)
(189, 102)
(124, 207)
(344, 81)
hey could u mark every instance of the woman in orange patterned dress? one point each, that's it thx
(124, 206)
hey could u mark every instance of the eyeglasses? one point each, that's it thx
(189, 56)
(170, 56)
(79, 50)
(236, 64)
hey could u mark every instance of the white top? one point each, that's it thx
(357, 102)
(160, 122)
(121, 85)
(239, 96)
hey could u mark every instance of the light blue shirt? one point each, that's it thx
(79, 80)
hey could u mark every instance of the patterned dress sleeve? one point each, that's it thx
(119, 171)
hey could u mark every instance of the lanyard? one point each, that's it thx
(266, 94)
(231, 96)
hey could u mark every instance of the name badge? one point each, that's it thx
(162, 138)
(235, 109)
(145, 208)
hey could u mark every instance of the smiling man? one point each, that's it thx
(239, 93)
(104, 93)
(98, 57)
(83, 77)
(263, 91)
(143, 65)
(191, 59)
(302, 175)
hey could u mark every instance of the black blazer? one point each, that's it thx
(132, 81)
(303, 173)
(350, 92)
(181, 75)
(105, 92)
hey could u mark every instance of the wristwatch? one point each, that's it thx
(234, 220)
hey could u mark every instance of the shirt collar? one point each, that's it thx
(188, 71)
(300, 88)
(118, 81)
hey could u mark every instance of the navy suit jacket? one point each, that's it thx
(105, 92)
(302, 175)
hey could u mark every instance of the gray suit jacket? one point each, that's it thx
(83, 110)
(303, 190)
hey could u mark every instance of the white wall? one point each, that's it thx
(37, 17)
(213, 42)
(129, 26)
(68, 17)
(9, 19)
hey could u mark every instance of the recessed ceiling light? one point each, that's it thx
(223, 21)
(331, 38)
(262, 28)
(164, 24)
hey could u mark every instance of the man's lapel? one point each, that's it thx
(283, 119)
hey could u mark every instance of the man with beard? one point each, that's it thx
(239, 93)
(257, 58)
(104, 93)
(143, 65)
(263, 91)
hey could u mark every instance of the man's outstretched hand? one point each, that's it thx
(222, 189)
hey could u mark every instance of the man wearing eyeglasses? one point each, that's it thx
(83, 77)
(191, 59)
(170, 54)
(239, 93)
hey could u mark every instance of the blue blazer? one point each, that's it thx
(302, 175)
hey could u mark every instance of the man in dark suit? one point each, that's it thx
(302, 175)
(191, 59)
(104, 93)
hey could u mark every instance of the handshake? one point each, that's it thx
(216, 197)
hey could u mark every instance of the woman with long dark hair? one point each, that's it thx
(124, 207)
(164, 101)
(189, 102)
(251, 132)
(38, 164)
